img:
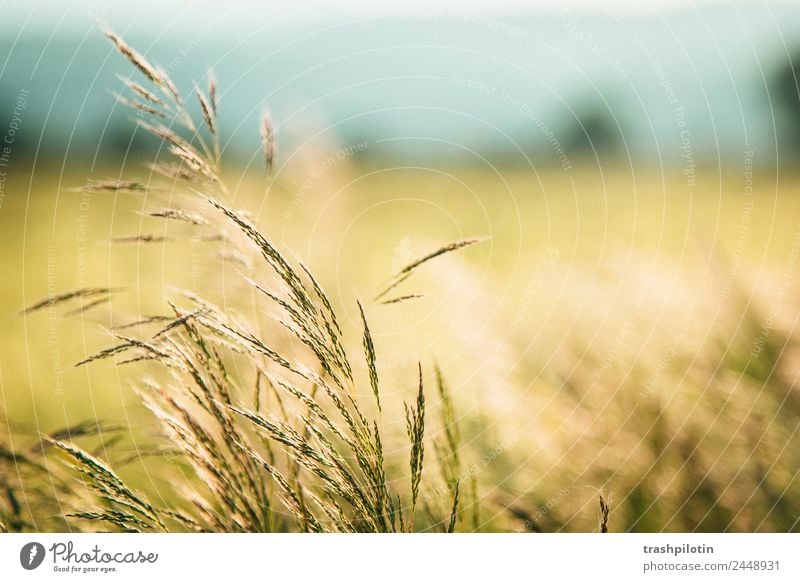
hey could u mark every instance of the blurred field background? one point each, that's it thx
(628, 327)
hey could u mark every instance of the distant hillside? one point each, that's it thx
(422, 84)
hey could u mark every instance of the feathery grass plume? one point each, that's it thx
(454, 511)
(177, 110)
(125, 345)
(139, 238)
(212, 92)
(331, 324)
(305, 451)
(173, 91)
(298, 451)
(268, 141)
(415, 427)
(605, 509)
(139, 105)
(300, 295)
(400, 299)
(174, 172)
(448, 450)
(165, 134)
(12, 518)
(369, 352)
(475, 505)
(234, 482)
(114, 186)
(142, 92)
(441, 251)
(209, 113)
(36, 494)
(129, 511)
(89, 292)
(409, 269)
(137, 59)
(144, 321)
(194, 161)
(180, 215)
(209, 116)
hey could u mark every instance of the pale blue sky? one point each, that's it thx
(371, 71)
(48, 13)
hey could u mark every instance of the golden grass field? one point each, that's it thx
(614, 333)
(617, 353)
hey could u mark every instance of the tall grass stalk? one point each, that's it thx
(314, 459)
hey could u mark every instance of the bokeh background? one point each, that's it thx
(629, 325)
